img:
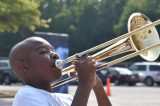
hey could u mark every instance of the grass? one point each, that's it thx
(7, 93)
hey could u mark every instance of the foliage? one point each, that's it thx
(150, 8)
(84, 20)
(19, 13)
(88, 22)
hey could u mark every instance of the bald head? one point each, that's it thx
(20, 53)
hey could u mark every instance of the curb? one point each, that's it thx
(6, 96)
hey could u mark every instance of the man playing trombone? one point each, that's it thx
(33, 60)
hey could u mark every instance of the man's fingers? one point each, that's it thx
(75, 62)
(73, 74)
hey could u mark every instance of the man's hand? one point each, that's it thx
(86, 69)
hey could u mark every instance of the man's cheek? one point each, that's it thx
(47, 55)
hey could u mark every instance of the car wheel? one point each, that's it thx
(131, 84)
(104, 82)
(7, 80)
(116, 82)
(1, 82)
(158, 83)
(149, 81)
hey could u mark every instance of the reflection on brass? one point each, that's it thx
(138, 22)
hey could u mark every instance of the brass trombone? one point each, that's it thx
(142, 38)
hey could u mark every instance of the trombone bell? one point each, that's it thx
(144, 38)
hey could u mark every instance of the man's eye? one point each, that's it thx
(42, 52)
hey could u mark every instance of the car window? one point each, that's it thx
(141, 67)
(3, 65)
(154, 68)
(104, 72)
(113, 72)
(133, 67)
(137, 68)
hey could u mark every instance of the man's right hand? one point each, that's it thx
(86, 69)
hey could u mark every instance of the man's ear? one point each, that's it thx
(22, 65)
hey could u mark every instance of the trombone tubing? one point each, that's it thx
(101, 55)
(128, 56)
(109, 64)
(155, 23)
(69, 79)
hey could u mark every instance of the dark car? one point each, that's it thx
(6, 75)
(103, 74)
(120, 75)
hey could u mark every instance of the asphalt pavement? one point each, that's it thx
(120, 96)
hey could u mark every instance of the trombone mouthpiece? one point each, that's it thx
(59, 63)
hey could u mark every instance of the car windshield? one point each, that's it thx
(137, 67)
(4, 64)
(121, 70)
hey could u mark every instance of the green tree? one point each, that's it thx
(15, 14)
(86, 21)
(66, 16)
(150, 8)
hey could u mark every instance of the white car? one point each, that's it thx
(149, 72)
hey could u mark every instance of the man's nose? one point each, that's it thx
(54, 55)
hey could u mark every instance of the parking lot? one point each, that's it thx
(139, 95)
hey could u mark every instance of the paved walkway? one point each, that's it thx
(120, 96)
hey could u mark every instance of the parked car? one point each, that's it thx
(103, 74)
(118, 76)
(121, 75)
(148, 72)
(6, 75)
